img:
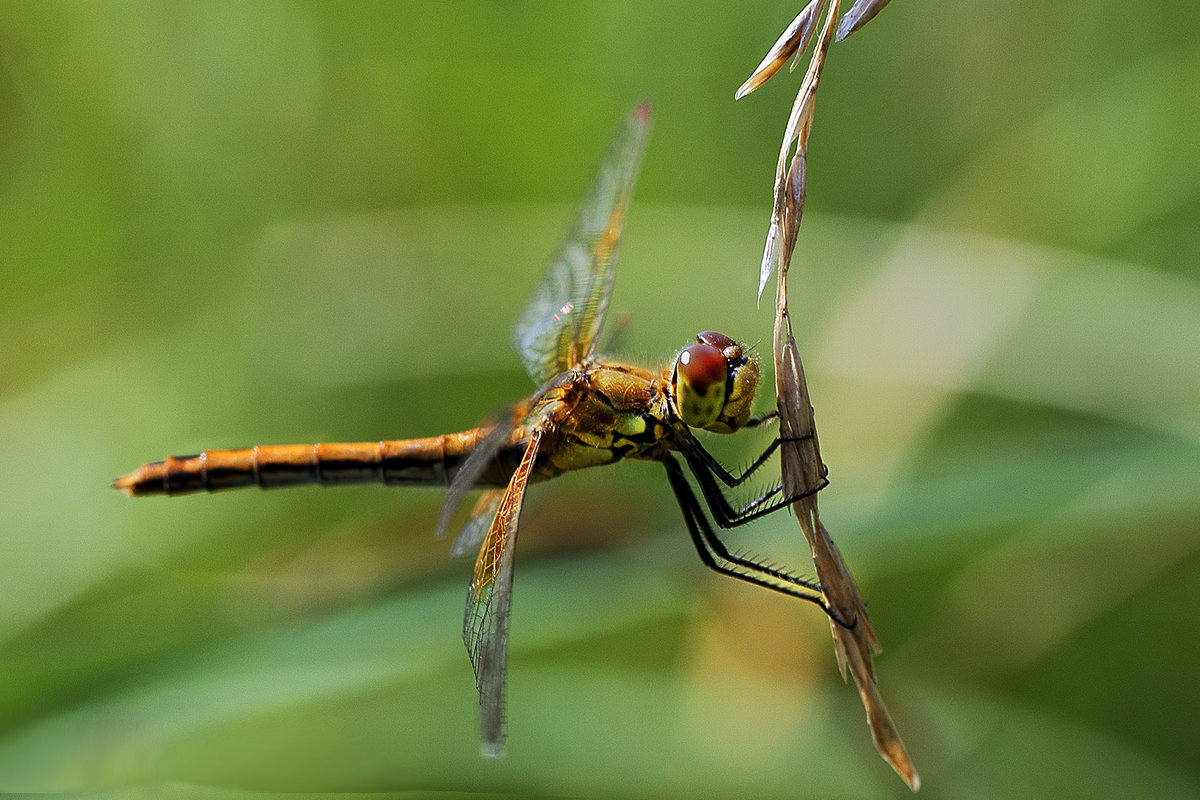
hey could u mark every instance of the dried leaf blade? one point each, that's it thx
(792, 41)
(799, 126)
(859, 14)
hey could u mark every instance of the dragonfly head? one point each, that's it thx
(713, 383)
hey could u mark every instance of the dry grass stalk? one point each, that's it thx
(800, 460)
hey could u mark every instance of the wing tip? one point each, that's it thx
(644, 110)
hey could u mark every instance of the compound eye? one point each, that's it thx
(700, 378)
(717, 340)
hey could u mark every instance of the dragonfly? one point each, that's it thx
(586, 411)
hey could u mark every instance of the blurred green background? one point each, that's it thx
(230, 223)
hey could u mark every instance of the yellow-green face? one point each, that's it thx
(714, 382)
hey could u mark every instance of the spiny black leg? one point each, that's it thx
(758, 501)
(688, 441)
(723, 512)
(754, 422)
(717, 557)
(710, 548)
(727, 477)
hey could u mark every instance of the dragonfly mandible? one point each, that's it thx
(587, 411)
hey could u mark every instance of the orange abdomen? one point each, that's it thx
(431, 460)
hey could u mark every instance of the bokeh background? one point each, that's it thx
(230, 223)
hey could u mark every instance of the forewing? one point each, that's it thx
(485, 624)
(559, 325)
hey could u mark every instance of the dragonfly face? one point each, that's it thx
(586, 412)
(713, 383)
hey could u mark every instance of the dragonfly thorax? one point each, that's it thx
(713, 383)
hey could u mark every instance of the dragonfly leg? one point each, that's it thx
(717, 556)
(757, 503)
(727, 477)
(759, 506)
(754, 422)
(703, 466)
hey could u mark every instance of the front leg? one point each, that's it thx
(706, 471)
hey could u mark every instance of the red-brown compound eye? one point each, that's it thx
(702, 365)
(700, 378)
(717, 340)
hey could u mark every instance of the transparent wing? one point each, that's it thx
(559, 325)
(485, 624)
(517, 416)
(470, 535)
(473, 468)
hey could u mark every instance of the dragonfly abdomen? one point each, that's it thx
(431, 460)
